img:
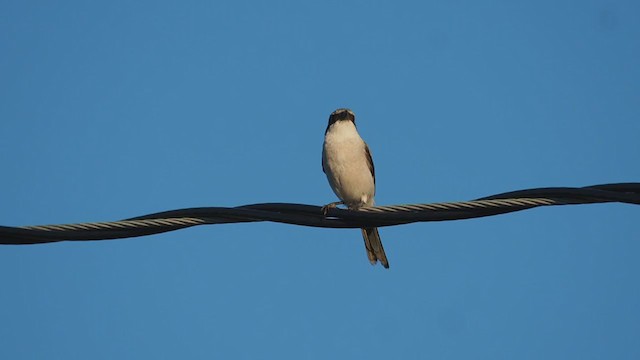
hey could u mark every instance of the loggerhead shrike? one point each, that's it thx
(347, 162)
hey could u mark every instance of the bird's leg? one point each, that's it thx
(325, 209)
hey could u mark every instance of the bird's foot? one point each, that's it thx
(325, 209)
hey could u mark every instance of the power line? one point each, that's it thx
(310, 215)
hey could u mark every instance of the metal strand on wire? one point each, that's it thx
(309, 215)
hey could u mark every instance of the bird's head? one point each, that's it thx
(342, 115)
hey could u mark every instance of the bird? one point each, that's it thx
(347, 162)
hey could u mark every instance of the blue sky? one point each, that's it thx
(117, 109)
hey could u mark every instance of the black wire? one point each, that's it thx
(624, 193)
(310, 215)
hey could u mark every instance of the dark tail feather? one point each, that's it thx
(375, 251)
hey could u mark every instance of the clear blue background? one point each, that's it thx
(116, 109)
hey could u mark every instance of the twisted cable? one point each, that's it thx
(311, 215)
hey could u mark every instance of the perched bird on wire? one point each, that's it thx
(346, 160)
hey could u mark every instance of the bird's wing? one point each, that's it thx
(370, 162)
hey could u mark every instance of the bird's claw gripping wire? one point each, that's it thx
(325, 209)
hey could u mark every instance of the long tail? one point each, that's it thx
(375, 251)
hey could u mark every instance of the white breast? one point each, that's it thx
(346, 165)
